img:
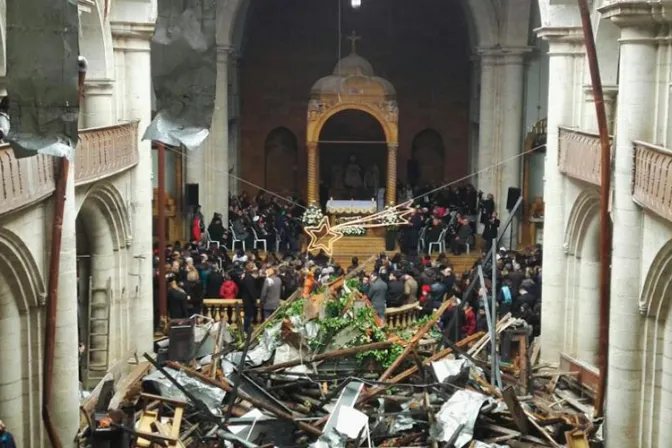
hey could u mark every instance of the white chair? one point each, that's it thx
(470, 242)
(421, 239)
(440, 243)
(234, 240)
(209, 241)
(257, 240)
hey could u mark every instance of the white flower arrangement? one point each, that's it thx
(390, 218)
(312, 216)
(353, 231)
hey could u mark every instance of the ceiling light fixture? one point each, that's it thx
(356, 3)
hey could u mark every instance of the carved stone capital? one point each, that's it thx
(636, 14)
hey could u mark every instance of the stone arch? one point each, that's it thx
(584, 209)
(657, 350)
(281, 151)
(109, 200)
(103, 222)
(583, 264)
(481, 15)
(95, 42)
(22, 292)
(607, 36)
(428, 149)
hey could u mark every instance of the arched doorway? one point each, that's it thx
(352, 138)
(657, 345)
(21, 321)
(429, 152)
(103, 235)
(282, 150)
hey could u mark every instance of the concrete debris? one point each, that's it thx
(324, 371)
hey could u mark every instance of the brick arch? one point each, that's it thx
(22, 291)
(657, 349)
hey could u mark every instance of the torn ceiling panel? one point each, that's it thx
(42, 76)
(184, 72)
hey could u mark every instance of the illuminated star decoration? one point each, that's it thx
(323, 236)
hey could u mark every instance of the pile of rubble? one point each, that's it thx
(325, 372)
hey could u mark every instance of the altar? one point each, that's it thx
(351, 207)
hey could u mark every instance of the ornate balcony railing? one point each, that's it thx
(231, 311)
(652, 180)
(102, 152)
(24, 181)
(579, 155)
(106, 151)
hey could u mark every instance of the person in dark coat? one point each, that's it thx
(378, 295)
(249, 293)
(177, 300)
(6, 438)
(395, 291)
(491, 230)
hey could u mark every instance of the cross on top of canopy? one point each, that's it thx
(353, 85)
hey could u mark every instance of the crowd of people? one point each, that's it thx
(201, 269)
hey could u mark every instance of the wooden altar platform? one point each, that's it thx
(374, 243)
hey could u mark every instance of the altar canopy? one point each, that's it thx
(353, 86)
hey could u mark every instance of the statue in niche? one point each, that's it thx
(372, 179)
(336, 179)
(353, 174)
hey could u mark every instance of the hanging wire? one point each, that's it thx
(387, 210)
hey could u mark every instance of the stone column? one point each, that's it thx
(500, 139)
(565, 45)
(217, 189)
(636, 101)
(65, 394)
(313, 196)
(234, 120)
(391, 191)
(511, 113)
(98, 103)
(486, 126)
(132, 44)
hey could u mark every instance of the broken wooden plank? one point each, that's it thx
(123, 385)
(517, 412)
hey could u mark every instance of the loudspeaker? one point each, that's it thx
(191, 194)
(512, 198)
(181, 340)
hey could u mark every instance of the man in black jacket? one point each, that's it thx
(395, 291)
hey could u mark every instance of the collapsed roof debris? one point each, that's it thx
(325, 372)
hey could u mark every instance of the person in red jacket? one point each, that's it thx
(229, 289)
(469, 325)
